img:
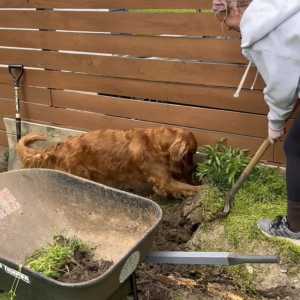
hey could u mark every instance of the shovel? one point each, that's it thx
(254, 161)
(13, 159)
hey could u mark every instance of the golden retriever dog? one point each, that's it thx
(160, 156)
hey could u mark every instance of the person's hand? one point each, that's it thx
(275, 134)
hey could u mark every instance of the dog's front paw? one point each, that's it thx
(198, 188)
(194, 191)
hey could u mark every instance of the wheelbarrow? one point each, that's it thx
(35, 202)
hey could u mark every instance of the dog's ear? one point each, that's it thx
(179, 148)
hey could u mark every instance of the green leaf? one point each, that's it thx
(209, 147)
(231, 176)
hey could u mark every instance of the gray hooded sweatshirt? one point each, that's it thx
(271, 41)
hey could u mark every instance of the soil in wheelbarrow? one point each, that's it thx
(68, 260)
(84, 268)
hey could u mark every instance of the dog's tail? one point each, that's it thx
(31, 158)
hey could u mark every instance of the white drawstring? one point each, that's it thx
(252, 87)
(237, 93)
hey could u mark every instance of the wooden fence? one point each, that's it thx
(167, 69)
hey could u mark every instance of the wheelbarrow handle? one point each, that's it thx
(16, 80)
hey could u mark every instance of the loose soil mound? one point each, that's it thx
(166, 282)
(178, 282)
(84, 267)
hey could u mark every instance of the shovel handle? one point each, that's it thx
(254, 161)
(258, 155)
(16, 80)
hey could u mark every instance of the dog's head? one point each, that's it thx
(181, 145)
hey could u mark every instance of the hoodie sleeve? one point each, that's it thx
(281, 76)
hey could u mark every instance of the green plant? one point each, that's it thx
(55, 258)
(222, 166)
(5, 296)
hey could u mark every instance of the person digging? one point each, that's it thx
(270, 33)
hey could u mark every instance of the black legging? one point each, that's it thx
(292, 153)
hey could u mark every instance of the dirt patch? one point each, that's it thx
(84, 267)
(272, 281)
(178, 282)
(3, 167)
(168, 282)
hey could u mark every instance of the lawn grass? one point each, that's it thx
(262, 195)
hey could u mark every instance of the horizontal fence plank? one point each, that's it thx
(222, 98)
(204, 4)
(170, 47)
(26, 94)
(89, 121)
(147, 69)
(219, 98)
(3, 138)
(199, 24)
(201, 118)
(2, 125)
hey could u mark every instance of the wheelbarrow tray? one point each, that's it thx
(36, 204)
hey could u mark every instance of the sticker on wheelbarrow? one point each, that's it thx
(14, 273)
(129, 266)
(8, 203)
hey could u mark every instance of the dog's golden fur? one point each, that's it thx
(120, 156)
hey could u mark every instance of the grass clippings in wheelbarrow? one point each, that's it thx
(5, 296)
(67, 260)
